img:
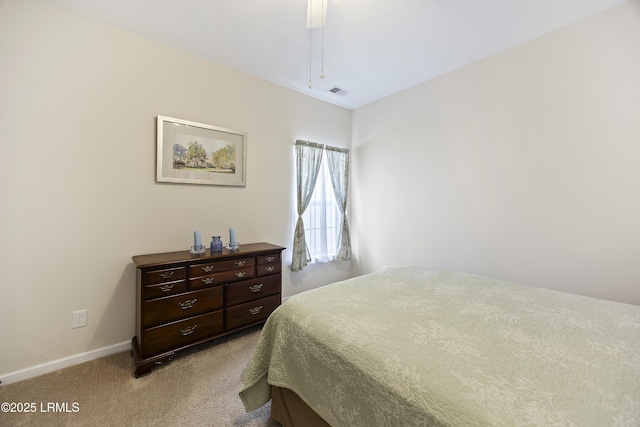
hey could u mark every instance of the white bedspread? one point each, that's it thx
(417, 347)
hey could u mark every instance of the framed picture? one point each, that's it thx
(195, 153)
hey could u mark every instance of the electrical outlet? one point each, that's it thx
(385, 267)
(79, 319)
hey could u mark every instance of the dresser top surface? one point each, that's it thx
(151, 260)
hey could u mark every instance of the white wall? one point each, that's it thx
(523, 166)
(78, 102)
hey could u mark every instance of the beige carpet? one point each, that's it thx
(198, 388)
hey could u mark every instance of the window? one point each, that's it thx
(322, 218)
(322, 184)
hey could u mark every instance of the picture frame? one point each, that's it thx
(196, 153)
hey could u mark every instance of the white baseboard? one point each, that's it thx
(45, 368)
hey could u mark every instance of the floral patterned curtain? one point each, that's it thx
(338, 159)
(308, 160)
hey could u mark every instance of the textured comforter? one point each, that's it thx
(418, 347)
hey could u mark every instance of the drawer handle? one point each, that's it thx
(188, 303)
(255, 288)
(269, 258)
(166, 274)
(208, 280)
(241, 263)
(270, 269)
(188, 330)
(207, 268)
(255, 310)
(166, 288)
(241, 274)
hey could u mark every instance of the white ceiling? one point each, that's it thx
(372, 48)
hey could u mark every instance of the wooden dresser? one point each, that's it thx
(184, 299)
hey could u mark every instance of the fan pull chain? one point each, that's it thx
(322, 49)
(310, 26)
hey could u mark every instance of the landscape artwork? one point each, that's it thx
(196, 153)
(203, 154)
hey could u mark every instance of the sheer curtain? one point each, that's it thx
(338, 161)
(322, 218)
(308, 160)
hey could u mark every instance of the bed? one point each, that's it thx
(416, 347)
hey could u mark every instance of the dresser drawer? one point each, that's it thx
(222, 277)
(164, 289)
(266, 269)
(251, 312)
(164, 275)
(269, 259)
(167, 309)
(181, 333)
(213, 267)
(237, 293)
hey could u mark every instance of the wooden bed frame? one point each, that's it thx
(289, 409)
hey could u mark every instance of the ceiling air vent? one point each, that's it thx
(339, 91)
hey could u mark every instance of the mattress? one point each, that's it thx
(416, 347)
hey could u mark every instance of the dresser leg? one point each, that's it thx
(144, 369)
(145, 366)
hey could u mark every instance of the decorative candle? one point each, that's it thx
(197, 240)
(232, 236)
